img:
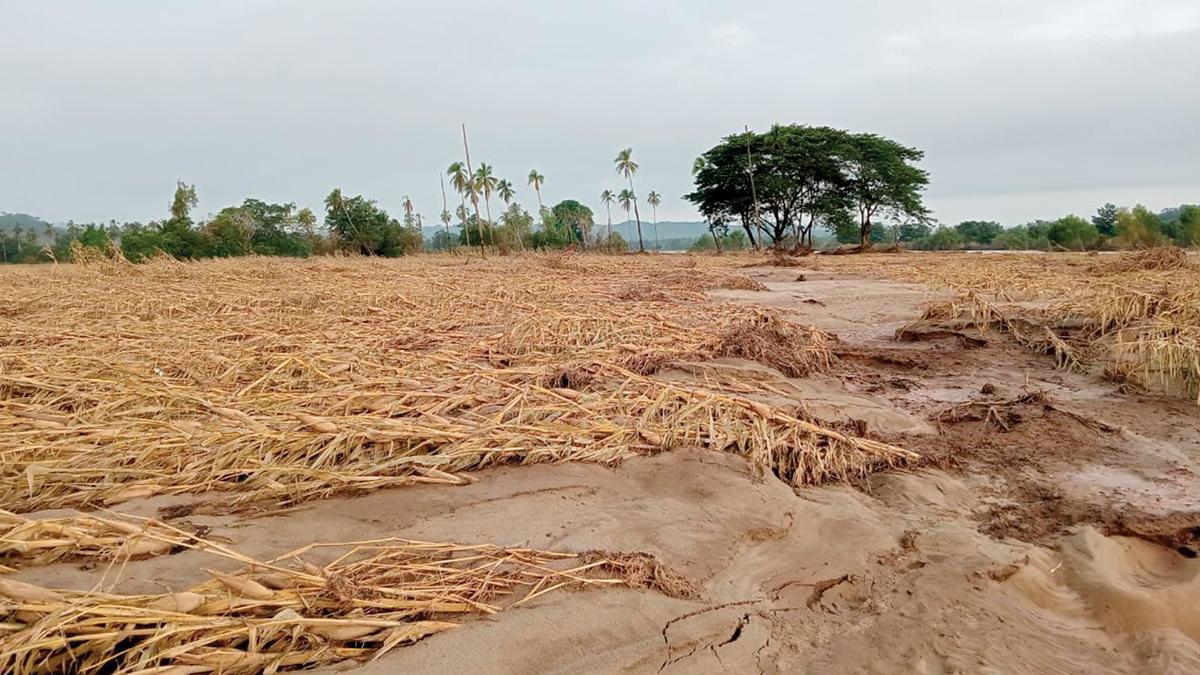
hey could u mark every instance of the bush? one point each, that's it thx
(139, 242)
(735, 240)
(1075, 233)
(942, 239)
(362, 227)
(1021, 239)
(615, 243)
(979, 231)
(1139, 228)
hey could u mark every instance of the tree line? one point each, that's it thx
(1111, 227)
(864, 189)
(352, 224)
(779, 186)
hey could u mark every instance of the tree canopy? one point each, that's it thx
(575, 218)
(1105, 219)
(782, 183)
(362, 227)
(979, 231)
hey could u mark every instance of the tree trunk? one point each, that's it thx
(654, 209)
(753, 191)
(474, 197)
(466, 227)
(517, 231)
(638, 217)
(716, 242)
(445, 210)
(750, 234)
(487, 202)
(608, 244)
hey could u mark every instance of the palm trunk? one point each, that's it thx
(466, 227)
(520, 241)
(487, 202)
(608, 243)
(474, 197)
(654, 210)
(445, 210)
(638, 216)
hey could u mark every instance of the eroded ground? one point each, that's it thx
(1052, 526)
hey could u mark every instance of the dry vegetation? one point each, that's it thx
(283, 380)
(370, 598)
(1135, 316)
(260, 383)
(269, 382)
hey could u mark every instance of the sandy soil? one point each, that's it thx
(1053, 527)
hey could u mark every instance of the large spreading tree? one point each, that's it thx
(782, 183)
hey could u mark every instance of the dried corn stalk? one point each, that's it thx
(374, 596)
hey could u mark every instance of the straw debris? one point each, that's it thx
(281, 381)
(287, 614)
(82, 537)
(1136, 318)
(793, 349)
(1159, 258)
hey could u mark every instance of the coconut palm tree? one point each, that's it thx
(536, 179)
(446, 224)
(459, 181)
(628, 200)
(462, 181)
(654, 199)
(408, 212)
(607, 198)
(504, 188)
(485, 184)
(627, 167)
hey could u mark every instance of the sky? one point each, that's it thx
(1025, 108)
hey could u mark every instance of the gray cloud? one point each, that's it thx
(1024, 108)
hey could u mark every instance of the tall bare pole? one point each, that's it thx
(474, 197)
(753, 192)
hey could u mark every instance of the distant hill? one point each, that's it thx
(667, 229)
(1172, 215)
(9, 222)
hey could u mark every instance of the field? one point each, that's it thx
(664, 463)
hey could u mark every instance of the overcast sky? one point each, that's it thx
(1025, 108)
